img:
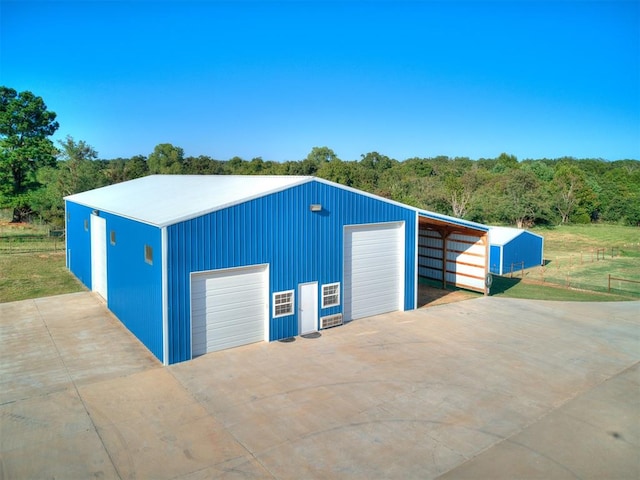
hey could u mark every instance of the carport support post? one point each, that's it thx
(444, 233)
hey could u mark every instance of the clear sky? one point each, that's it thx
(274, 79)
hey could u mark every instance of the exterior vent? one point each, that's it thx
(331, 321)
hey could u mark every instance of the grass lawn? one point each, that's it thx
(32, 264)
(572, 258)
(34, 275)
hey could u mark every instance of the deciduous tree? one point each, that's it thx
(166, 159)
(25, 125)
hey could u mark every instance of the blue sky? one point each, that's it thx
(274, 79)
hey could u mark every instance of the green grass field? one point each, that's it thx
(32, 263)
(574, 258)
(33, 275)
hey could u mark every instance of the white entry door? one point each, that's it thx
(308, 307)
(99, 255)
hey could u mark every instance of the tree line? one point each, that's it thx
(35, 175)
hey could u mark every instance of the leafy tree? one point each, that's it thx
(166, 159)
(521, 202)
(460, 190)
(541, 170)
(47, 200)
(203, 165)
(316, 159)
(338, 171)
(76, 171)
(571, 193)
(25, 125)
(417, 166)
(505, 162)
(135, 167)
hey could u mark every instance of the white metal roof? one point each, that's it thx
(503, 235)
(163, 200)
(167, 199)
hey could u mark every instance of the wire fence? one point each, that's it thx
(602, 270)
(53, 241)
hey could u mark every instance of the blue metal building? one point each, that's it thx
(514, 249)
(193, 264)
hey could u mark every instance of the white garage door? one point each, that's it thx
(229, 308)
(373, 269)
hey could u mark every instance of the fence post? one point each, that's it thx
(609, 287)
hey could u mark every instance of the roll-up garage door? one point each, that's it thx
(373, 269)
(229, 308)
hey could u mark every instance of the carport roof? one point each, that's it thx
(443, 220)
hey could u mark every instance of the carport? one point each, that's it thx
(452, 251)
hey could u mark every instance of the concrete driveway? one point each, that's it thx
(485, 388)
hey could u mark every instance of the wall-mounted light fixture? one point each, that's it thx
(96, 213)
(315, 207)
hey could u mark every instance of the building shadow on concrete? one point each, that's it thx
(431, 294)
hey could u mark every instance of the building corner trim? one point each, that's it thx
(165, 298)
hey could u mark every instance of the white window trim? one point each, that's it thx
(292, 303)
(324, 295)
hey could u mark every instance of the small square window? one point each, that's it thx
(330, 295)
(86, 225)
(283, 303)
(148, 254)
(112, 237)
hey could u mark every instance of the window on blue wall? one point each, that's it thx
(283, 303)
(112, 237)
(148, 254)
(330, 295)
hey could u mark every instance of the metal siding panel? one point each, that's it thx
(78, 242)
(280, 230)
(135, 287)
(466, 266)
(495, 260)
(526, 248)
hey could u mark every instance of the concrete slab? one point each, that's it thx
(485, 388)
(594, 436)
